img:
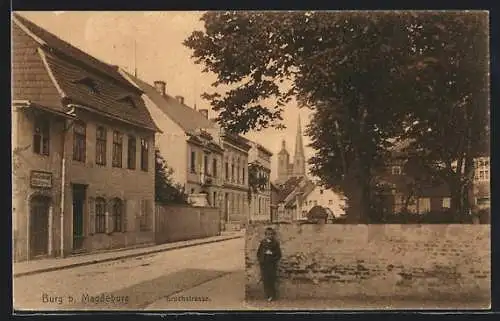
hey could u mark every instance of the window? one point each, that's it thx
(396, 170)
(214, 167)
(232, 171)
(128, 100)
(41, 136)
(483, 201)
(79, 140)
(90, 84)
(227, 171)
(424, 205)
(193, 162)
(243, 173)
(238, 173)
(214, 204)
(117, 149)
(100, 146)
(446, 202)
(100, 215)
(131, 152)
(117, 215)
(144, 154)
(315, 203)
(205, 165)
(321, 191)
(482, 171)
(330, 202)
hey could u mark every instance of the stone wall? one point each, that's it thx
(181, 223)
(421, 262)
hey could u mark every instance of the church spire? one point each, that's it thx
(299, 147)
(299, 161)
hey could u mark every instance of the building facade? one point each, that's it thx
(295, 167)
(235, 174)
(425, 195)
(83, 157)
(189, 142)
(260, 200)
(314, 195)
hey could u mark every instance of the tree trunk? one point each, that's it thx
(357, 190)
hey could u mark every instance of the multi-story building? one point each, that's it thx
(235, 174)
(426, 195)
(315, 195)
(296, 168)
(189, 142)
(83, 157)
(260, 201)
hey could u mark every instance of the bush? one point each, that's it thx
(435, 217)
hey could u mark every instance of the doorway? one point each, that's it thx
(39, 226)
(79, 197)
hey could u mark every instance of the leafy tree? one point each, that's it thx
(358, 71)
(166, 192)
(450, 108)
(257, 180)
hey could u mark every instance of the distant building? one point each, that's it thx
(260, 202)
(296, 168)
(429, 196)
(275, 194)
(298, 195)
(83, 156)
(235, 185)
(287, 199)
(315, 195)
(189, 142)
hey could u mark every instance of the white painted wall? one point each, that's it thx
(326, 198)
(172, 142)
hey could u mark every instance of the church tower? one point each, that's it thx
(299, 159)
(283, 163)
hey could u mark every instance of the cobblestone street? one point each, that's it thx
(132, 283)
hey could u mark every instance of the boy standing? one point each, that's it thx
(269, 254)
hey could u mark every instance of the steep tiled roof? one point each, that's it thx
(52, 41)
(187, 118)
(30, 80)
(285, 189)
(118, 99)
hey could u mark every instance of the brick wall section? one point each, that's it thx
(329, 261)
(180, 223)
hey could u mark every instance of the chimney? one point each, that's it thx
(160, 87)
(180, 99)
(204, 112)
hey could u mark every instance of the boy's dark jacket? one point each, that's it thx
(274, 247)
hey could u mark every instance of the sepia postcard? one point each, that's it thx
(250, 160)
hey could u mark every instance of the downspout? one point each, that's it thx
(63, 185)
(63, 177)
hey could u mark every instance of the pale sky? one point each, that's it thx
(160, 55)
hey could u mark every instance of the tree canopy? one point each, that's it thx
(166, 191)
(369, 78)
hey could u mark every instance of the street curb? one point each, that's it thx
(126, 256)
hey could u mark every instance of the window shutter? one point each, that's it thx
(109, 217)
(91, 205)
(139, 215)
(124, 216)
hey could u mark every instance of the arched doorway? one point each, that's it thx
(39, 225)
